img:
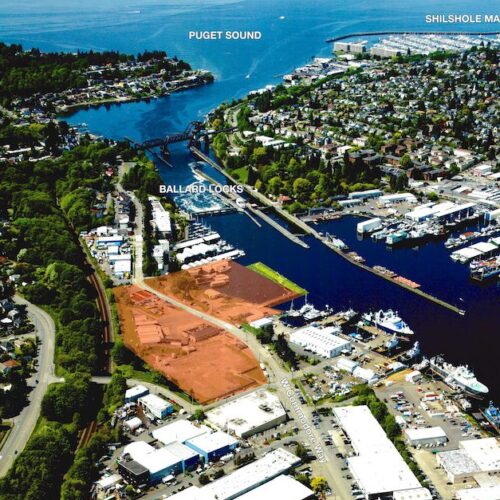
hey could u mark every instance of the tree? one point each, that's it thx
(302, 189)
(319, 484)
(406, 161)
(203, 479)
(199, 415)
(301, 452)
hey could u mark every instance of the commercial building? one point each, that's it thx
(365, 195)
(390, 199)
(413, 494)
(352, 47)
(377, 467)
(483, 169)
(347, 365)
(249, 414)
(134, 393)
(492, 215)
(413, 377)
(473, 457)
(160, 218)
(482, 249)
(155, 406)
(365, 374)
(321, 341)
(426, 436)
(457, 464)
(171, 459)
(457, 211)
(243, 480)
(262, 322)
(280, 487)
(368, 226)
(133, 424)
(107, 484)
(179, 431)
(213, 446)
(427, 211)
(133, 471)
(484, 493)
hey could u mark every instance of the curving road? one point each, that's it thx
(278, 376)
(25, 422)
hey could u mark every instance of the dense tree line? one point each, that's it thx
(44, 200)
(296, 173)
(25, 73)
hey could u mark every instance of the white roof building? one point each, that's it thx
(133, 424)
(484, 493)
(243, 480)
(389, 199)
(428, 210)
(262, 322)
(322, 341)
(249, 414)
(180, 431)
(378, 467)
(485, 452)
(211, 442)
(159, 460)
(105, 483)
(413, 494)
(426, 435)
(280, 487)
(457, 464)
(161, 217)
(155, 405)
(366, 374)
(346, 364)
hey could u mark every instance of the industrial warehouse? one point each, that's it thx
(322, 341)
(247, 478)
(377, 466)
(250, 414)
(182, 446)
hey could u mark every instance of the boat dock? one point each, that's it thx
(406, 284)
(226, 198)
(255, 211)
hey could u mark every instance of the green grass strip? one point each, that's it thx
(271, 274)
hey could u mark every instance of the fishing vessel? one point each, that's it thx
(392, 343)
(414, 352)
(492, 414)
(396, 237)
(389, 321)
(459, 377)
(484, 270)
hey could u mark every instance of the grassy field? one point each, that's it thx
(273, 275)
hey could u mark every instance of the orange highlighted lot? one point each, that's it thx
(225, 290)
(202, 359)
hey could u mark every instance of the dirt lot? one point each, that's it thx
(205, 361)
(225, 290)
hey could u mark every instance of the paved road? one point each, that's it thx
(25, 422)
(276, 372)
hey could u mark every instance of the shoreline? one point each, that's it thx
(71, 109)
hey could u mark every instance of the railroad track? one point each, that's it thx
(87, 433)
(107, 337)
